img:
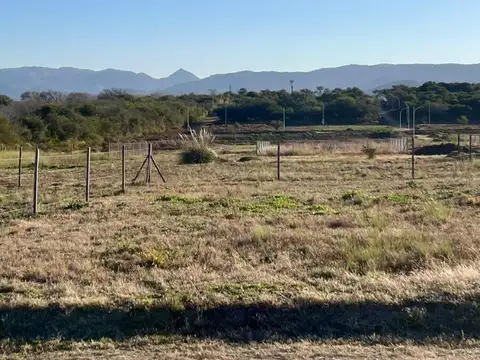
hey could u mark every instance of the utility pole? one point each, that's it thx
(413, 140)
(401, 111)
(399, 102)
(291, 86)
(415, 109)
(408, 116)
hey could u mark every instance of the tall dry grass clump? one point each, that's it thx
(197, 147)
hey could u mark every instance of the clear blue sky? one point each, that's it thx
(217, 36)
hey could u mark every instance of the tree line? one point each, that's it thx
(51, 118)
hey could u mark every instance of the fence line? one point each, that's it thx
(77, 183)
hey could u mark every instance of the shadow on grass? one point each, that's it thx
(416, 321)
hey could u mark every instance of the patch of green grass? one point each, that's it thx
(222, 203)
(256, 207)
(261, 235)
(177, 199)
(377, 220)
(399, 198)
(157, 258)
(75, 205)
(355, 197)
(244, 291)
(394, 253)
(282, 202)
(436, 211)
(322, 210)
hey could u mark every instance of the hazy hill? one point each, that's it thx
(15, 81)
(367, 77)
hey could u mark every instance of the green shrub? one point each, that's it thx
(197, 156)
(354, 197)
(381, 134)
(369, 151)
(197, 147)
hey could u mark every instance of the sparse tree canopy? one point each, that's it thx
(8, 134)
(53, 117)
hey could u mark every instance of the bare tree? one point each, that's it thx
(77, 97)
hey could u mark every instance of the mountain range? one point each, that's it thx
(15, 81)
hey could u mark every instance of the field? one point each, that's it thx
(344, 257)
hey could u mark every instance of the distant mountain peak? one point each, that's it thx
(14, 82)
(184, 74)
(367, 77)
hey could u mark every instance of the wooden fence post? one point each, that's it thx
(458, 142)
(35, 181)
(87, 176)
(123, 168)
(20, 167)
(470, 147)
(278, 160)
(149, 163)
(413, 156)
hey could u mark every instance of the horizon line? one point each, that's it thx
(235, 72)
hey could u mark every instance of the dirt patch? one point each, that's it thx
(440, 149)
(248, 158)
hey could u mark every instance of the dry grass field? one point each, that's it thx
(344, 257)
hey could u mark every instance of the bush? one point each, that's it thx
(381, 134)
(197, 156)
(197, 147)
(369, 151)
(8, 134)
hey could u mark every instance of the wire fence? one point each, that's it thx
(62, 180)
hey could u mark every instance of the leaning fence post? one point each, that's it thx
(123, 168)
(20, 167)
(35, 181)
(87, 176)
(278, 160)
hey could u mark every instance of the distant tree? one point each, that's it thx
(30, 95)
(8, 134)
(463, 120)
(51, 96)
(5, 100)
(242, 91)
(319, 90)
(115, 94)
(77, 97)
